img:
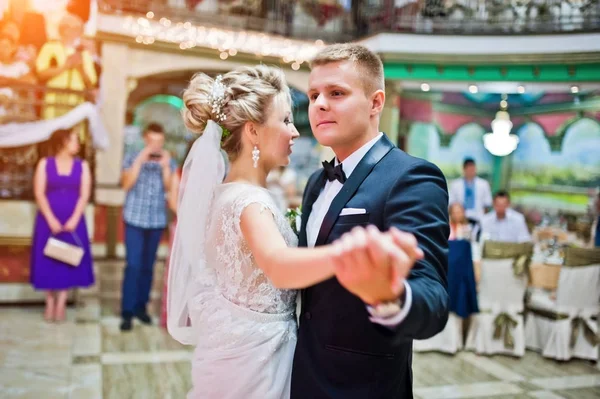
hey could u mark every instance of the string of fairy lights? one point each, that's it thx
(147, 30)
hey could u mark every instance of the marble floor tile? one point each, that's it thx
(433, 369)
(141, 339)
(146, 381)
(86, 381)
(87, 339)
(26, 337)
(544, 395)
(90, 291)
(477, 390)
(88, 310)
(521, 395)
(145, 357)
(490, 367)
(570, 382)
(112, 307)
(581, 393)
(88, 357)
(535, 365)
(94, 359)
(34, 382)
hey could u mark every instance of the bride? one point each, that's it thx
(234, 266)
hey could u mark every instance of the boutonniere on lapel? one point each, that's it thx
(294, 218)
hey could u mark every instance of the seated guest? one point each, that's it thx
(503, 223)
(460, 229)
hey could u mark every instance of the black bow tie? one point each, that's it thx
(334, 172)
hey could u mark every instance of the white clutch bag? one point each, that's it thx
(64, 252)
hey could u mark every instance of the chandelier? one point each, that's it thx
(500, 142)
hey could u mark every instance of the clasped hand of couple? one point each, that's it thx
(373, 265)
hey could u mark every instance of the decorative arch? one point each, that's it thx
(144, 63)
(534, 146)
(562, 132)
(470, 136)
(517, 129)
(174, 101)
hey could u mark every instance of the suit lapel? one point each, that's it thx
(313, 191)
(364, 167)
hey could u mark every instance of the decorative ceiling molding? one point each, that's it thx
(512, 48)
(493, 59)
(499, 72)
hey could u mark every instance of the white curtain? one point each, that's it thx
(19, 134)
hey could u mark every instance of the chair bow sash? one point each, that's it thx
(503, 324)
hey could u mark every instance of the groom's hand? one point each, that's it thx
(373, 265)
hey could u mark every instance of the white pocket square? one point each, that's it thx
(353, 211)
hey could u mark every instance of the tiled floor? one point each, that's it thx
(88, 357)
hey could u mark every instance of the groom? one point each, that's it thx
(355, 336)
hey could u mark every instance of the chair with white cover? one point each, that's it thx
(449, 340)
(564, 325)
(498, 328)
(462, 293)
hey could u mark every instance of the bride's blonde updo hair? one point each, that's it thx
(249, 92)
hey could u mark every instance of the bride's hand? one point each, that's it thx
(373, 265)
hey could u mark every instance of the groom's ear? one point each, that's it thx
(377, 102)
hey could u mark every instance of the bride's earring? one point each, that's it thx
(255, 156)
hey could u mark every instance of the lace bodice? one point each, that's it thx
(238, 278)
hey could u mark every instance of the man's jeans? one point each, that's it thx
(141, 246)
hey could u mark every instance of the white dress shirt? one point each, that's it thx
(510, 229)
(321, 206)
(483, 196)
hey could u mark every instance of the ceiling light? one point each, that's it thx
(500, 142)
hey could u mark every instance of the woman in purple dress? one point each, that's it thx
(62, 186)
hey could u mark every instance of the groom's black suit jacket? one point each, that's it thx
(340, 353)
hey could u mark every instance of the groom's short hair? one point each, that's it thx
(366, 61)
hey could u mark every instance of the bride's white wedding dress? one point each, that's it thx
(245, 327)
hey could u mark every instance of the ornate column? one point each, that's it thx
(108, 163)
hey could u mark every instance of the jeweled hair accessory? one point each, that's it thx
(217, 99)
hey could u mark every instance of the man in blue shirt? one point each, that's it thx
(146, 177)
